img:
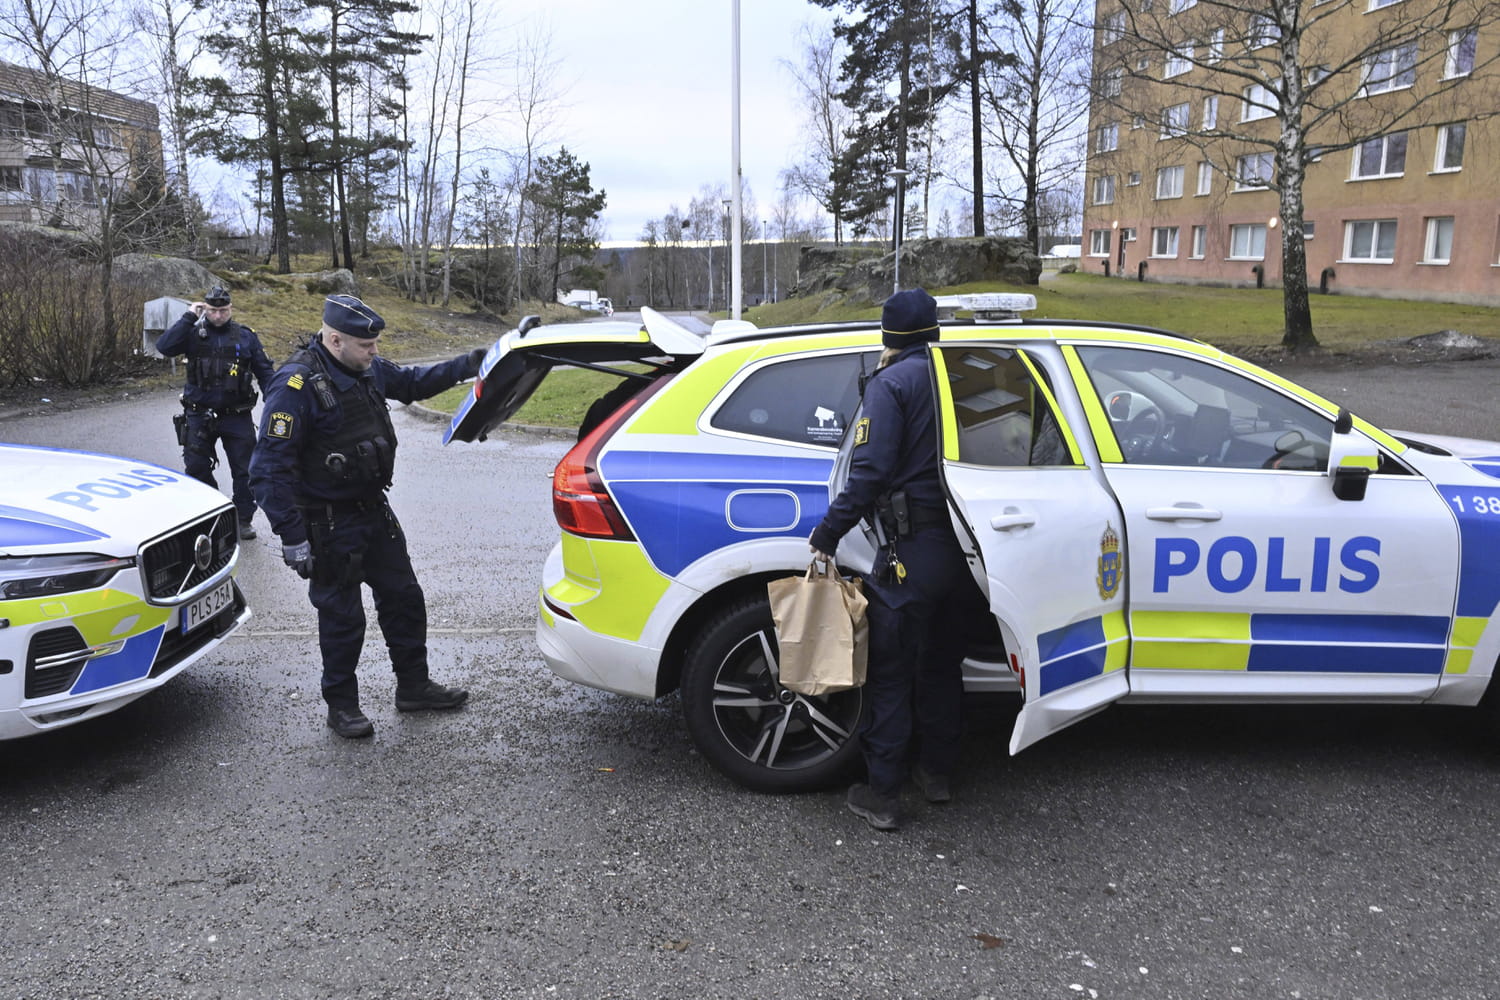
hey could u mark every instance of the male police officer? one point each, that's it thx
(325, 458)
(923, 600)
(222, 357)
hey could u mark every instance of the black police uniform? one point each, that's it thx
(922, 613)
(321, 467)
(221, 361)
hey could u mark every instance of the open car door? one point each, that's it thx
(1048, 533)
(518, 362)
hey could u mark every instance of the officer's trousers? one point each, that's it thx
(919, 632)
(364, 545)
(237, 431)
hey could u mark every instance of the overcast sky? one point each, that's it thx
(649, 96)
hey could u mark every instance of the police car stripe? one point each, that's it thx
(131, 663)
(1080, 650)
(619, 611)
(1103, 432)
(620, 466)
(949, 426)
(19, 526)
(1306, 643)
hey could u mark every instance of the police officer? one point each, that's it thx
(222, 358)
(923, 600)
(325, 458)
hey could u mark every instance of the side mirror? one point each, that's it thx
(1351, 459)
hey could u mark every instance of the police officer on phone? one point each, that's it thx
(222, 359)
(325, 458)
(924, 602)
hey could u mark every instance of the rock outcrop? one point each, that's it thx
(868, 274)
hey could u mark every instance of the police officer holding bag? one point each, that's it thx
(326, 456)
(923, 601)
(222, 358)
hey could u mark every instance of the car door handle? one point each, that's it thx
(1182, 512)
(1011, 519)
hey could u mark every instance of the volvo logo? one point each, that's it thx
(203, 553)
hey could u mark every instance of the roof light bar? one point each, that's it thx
(988, 306)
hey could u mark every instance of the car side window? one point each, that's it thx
(1004, 418)
(1169, 409)
(806, 400)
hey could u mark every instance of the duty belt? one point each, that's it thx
(326, 509)
(929, 517)
(218, 411)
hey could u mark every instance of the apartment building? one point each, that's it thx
(1388, 105)
(65, 144)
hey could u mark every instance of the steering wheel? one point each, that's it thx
(1143, 431)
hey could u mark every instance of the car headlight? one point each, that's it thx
(48, 576)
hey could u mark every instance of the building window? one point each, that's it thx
(1216, 45)
(1372, 240)
(10, 179)
(1308, 230)
(1210, 113)
(1461, 45)
(1178, 6)
(1107, 138)
(1439, 246)
(1247, 242)
(1174, 120)
(1099, 242)
(1253, 171)
(1104, 190)
(1262, 31)
(1391, 69)
(1112, 80)
(1179, 61)
(1127, 234)
(1164, 241)
(1384, 156)
(1112, 28)
(1377, 4)
(1450, 147)
(1139, 121)
(1205, 177)
(1169, 182)
(1200, 240)
(1133, 179)
(1259, 102)
(1315, 153)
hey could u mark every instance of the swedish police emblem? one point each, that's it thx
(280, 425)
(1111, 569)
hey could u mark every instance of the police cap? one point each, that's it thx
(217, 296)
(909, 317)
(351, 317)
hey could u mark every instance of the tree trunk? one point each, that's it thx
(975, 120)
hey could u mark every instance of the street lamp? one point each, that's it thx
(763, 262)
(727, 306)
(900, 175)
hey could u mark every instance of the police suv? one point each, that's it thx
(115, 576)
(1152, 519)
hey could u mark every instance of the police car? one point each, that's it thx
(115, 576)
(1152, 519)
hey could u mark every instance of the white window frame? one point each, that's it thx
(1215, 46)
(1257, 101)
(1174, 120)
(1391, 146)
(1107, 138)
(1169, 182)
(1437, 245)
(1178, 62)
(1377, 4)
(1127, 234)
(1377, 229)
(1112, 28)
(1210, 113)
(1099, 242)
(1205, 178)
(1459, 60)
(1261, 182)
(1104, 190)
(1262, 32)
(1390, 69)
(1133, 179)
(1444, 143)
(1178, 6)
(1164, 241)
(1113, 79)
(1252, 233)
(1199, 242)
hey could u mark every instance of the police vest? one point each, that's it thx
(357, 458)
(222, 367)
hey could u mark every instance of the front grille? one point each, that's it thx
(176, 647)
(49, 667)
(169, 564)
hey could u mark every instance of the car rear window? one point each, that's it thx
(806, 400)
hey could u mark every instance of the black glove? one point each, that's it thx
(299, 557)
(476, 358)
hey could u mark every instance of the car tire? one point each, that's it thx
(751, 728)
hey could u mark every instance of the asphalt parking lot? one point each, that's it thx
(216, 840)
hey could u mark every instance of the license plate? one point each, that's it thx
(205, 607)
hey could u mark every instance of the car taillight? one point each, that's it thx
(579, 500)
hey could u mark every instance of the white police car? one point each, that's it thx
(1151, 518)
(115, 575)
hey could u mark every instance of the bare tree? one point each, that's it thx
(1312, 79)
(825, 129)
(535, 101)
(171, 30)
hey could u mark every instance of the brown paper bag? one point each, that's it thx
(821, 628)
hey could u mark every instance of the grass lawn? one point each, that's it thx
(1235, 319)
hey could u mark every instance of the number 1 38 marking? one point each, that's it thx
(1478, 504)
